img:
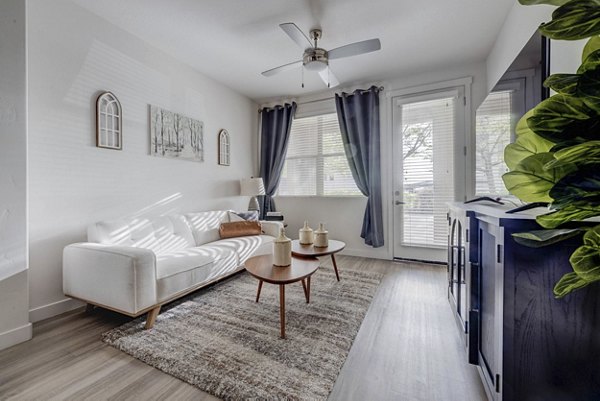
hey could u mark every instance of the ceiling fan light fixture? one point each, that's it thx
(316, 66)
(315, 59)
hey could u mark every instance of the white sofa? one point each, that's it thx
(134, 266)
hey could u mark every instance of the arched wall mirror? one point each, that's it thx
(224, 148)
(109, 122)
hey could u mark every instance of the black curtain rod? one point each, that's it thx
(379, 89)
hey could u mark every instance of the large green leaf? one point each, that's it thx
(551, 2)
(574, 20)
(565, 84)
(522, 127)
(586, 259)
(591, 46)
(588, 89)
(526, 144)
(563, 118)
(582, 185)
(540, 238)
(567, 144)
(531, 182)
(580, 154)
(569, 283)
(592, 61)
(573, 212)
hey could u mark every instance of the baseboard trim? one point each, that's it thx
(430, 262)
(365, 253)
(15, 336)
(53, 309)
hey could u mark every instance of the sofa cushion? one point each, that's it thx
(169, 264)
(205, 225)
(160, 234)
(251, 215)
(246, 247)
(175, 277)
(173, 233)
(110, 232)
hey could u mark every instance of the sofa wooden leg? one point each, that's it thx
(152, 317)
(89, 308)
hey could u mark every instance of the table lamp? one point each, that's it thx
(253, 187)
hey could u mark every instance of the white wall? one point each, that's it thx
(73, 55)
(519, 26)
(343, 216)
(565, 56)
(14, 318)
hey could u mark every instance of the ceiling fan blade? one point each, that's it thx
(327, 76)
(296, 34)
(285, 67)
(354, 49)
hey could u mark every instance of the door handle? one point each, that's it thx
(398, 203)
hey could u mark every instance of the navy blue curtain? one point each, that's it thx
(358, 115)
(276, 124)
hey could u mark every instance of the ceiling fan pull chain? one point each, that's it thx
(328, 79)
(302, 68)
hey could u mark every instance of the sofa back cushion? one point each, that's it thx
(160, 234)
(205, 225)
(251, 215)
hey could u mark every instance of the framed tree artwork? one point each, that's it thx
(175, 136)
(109, 122)
(224, 148)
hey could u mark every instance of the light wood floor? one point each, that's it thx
(407, 348)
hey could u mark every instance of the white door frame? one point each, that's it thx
(462, 146)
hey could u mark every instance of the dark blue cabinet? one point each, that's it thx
(458, 277)
(528, 346)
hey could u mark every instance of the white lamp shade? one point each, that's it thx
(252, 186)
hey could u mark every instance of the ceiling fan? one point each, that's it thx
(316, 58)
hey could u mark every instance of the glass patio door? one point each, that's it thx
(429, 171)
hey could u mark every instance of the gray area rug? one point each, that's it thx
(224, 343)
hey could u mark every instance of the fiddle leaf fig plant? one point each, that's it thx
(556, 155)
(573, 20)
(531, 181)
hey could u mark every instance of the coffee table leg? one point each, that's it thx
(335, 267)
(282, 309)
(259, 288)
(306, 289)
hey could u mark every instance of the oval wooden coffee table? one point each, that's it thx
(263, 269)
(304, 251)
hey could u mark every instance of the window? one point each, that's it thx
(316, 164)
(493, 127)
(495, 123)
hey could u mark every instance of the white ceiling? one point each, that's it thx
(233, 41)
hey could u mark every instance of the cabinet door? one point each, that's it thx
(462, 276)
(490, 306)
(452, 263)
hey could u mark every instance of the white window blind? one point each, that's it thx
(493, 126)
(428, 132)
(315, 163)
